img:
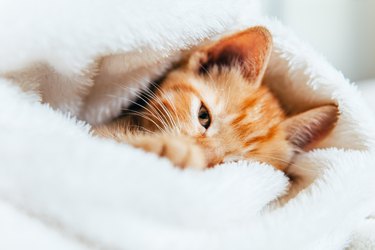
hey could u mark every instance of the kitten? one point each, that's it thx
(213, 108)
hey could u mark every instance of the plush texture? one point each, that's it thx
(57, 182)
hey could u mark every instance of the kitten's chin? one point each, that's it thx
(212, 158)
(212, 164)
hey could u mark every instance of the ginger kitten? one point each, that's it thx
(214, 108)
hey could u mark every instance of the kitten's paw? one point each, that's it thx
(181, 152)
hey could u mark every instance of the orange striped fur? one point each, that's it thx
(246, 120)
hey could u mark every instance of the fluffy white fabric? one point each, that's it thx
(62, 188)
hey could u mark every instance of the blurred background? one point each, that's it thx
(342, 30)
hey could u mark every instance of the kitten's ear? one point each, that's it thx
(250, 49)
(306, 129)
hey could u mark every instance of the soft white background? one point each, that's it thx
(342, 30)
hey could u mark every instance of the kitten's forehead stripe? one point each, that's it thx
(262, 138)
(239, 119)
(248, 103)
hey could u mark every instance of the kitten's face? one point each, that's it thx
(216, 98)
(229, 116)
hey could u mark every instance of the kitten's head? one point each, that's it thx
(216, 98)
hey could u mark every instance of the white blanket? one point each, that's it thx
(60, 188)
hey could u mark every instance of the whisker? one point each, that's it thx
(142, 115)
(156, 115)
(141, 106)
(170, 102)
(163, 117)
(170, 119)
(141, 128)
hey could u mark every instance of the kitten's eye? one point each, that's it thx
(204, 117)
